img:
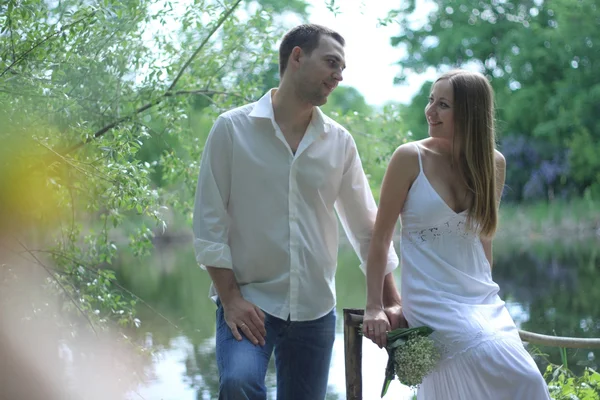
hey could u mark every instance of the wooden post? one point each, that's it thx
(353, 354)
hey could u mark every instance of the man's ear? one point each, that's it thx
(296, 56)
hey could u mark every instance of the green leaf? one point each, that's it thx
(389, 372)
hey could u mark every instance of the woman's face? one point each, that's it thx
(439, 110)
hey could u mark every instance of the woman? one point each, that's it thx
(447, 189)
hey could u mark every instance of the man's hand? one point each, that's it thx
(395, 316)
(376, 325)
(244, 315)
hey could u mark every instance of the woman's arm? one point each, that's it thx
(400, 173)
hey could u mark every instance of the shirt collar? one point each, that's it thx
(263, 108)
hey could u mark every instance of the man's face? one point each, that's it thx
(321, 71)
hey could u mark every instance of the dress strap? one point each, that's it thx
(419, 154)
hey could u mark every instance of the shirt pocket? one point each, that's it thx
(320, 171)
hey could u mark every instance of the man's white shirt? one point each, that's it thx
(269, 214)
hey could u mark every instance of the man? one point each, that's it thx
(265, 229)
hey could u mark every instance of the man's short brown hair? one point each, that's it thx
(307, 38)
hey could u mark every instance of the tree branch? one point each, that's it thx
(12, 40)
(49, 271)
(38, 44)
(205, 92)
(212, 32)
(168, 92)
(75, 167)
(113, 124)
(145, 107)
(113, 281)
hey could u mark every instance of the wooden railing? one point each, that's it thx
(353, 318)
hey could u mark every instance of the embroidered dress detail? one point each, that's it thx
(456, 226)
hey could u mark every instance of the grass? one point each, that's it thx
(578, 218)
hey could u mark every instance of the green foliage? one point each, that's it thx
(103, 111)
(413, 114)
(564, 385)
(377, 135)
(541, 58)
(296, 6)
(346, 99)
(585, 166)
(567, 220)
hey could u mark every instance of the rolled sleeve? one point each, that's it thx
(357, 210)
(212, 254)
(211, 220)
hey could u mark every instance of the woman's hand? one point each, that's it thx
(376, 325)
(395, 316)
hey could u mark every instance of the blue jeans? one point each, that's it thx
(302, 358)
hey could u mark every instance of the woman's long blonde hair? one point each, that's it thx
(475, 135)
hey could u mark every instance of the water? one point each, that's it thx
(549, 288)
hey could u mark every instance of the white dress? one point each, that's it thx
(447, 285)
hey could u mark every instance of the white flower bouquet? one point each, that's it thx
(411, 356)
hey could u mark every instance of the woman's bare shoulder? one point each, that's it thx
(405, 160)
(499, 159)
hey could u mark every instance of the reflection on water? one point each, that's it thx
(549, 288)
(557, 287)
(177, 375)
